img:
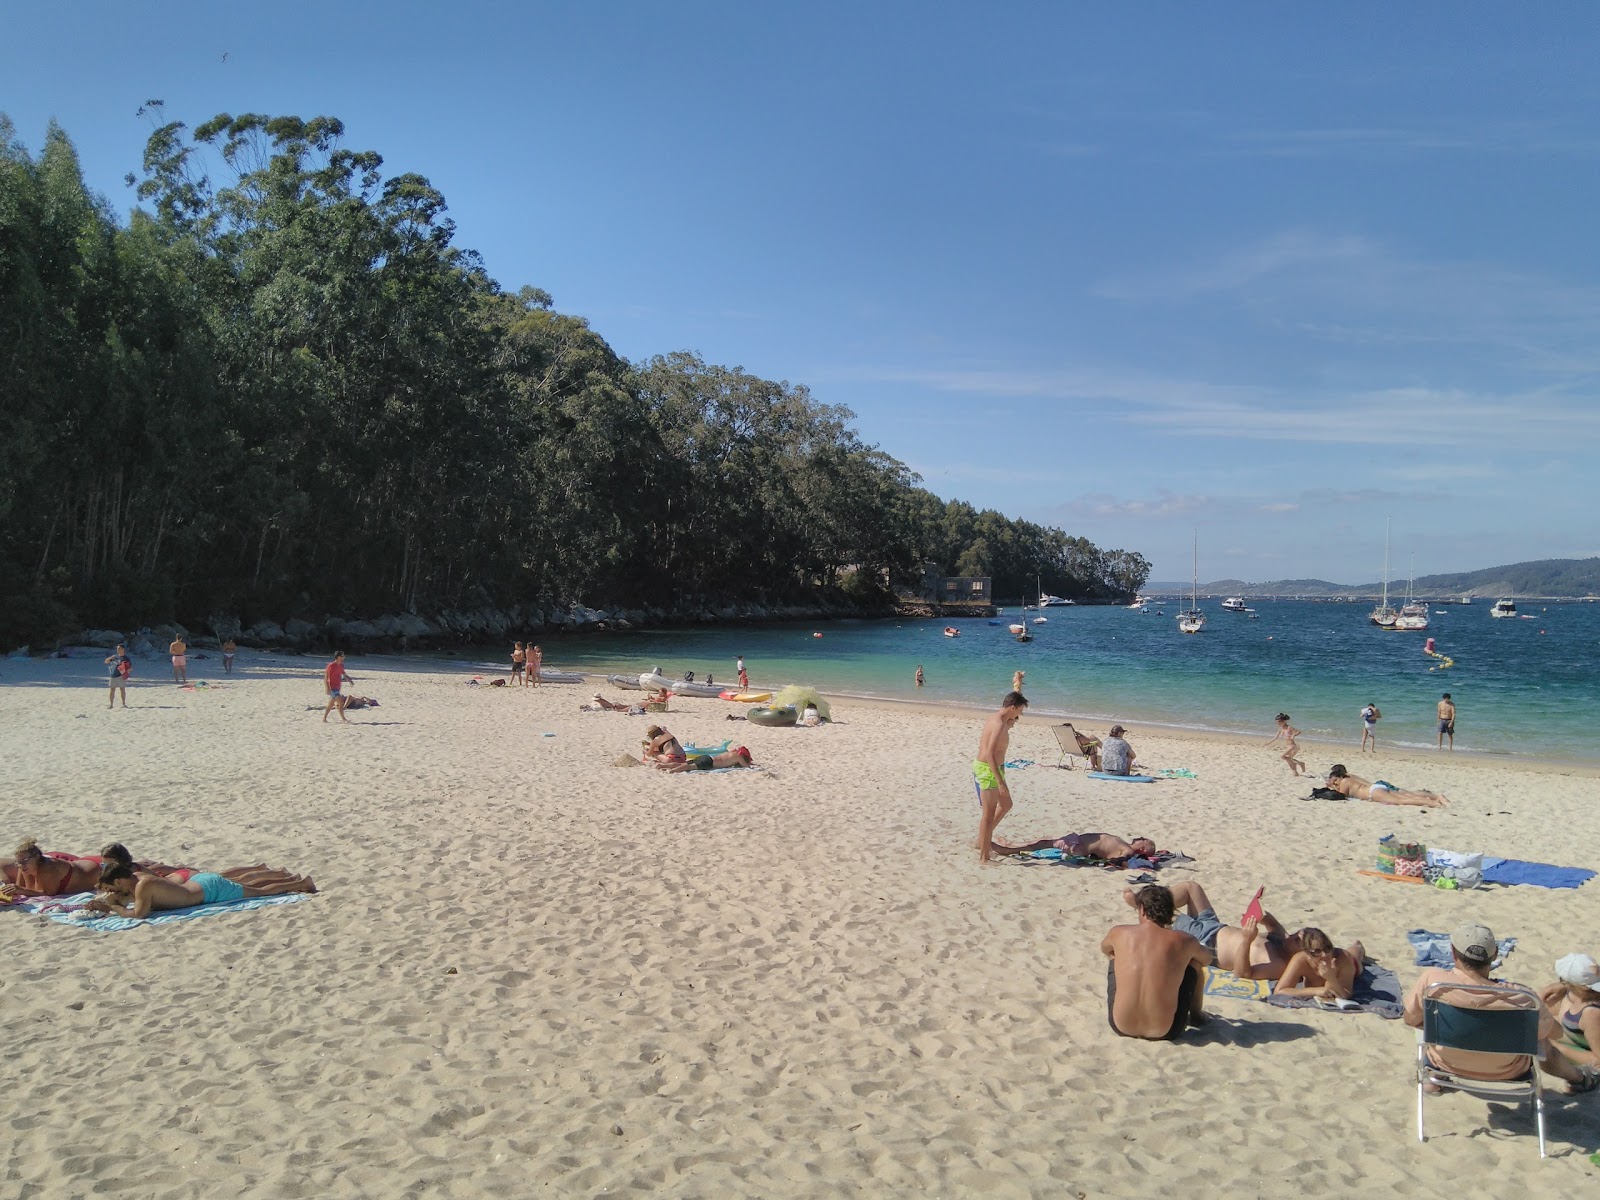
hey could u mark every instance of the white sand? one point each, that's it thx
(531, 971)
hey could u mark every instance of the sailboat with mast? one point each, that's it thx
(1412, 614)
(1192, 620)
(1383, 616)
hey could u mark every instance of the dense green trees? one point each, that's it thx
(280, 389)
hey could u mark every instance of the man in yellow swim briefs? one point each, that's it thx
(989, 769)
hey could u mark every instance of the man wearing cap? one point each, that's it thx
(1116, 756)
(1574, 1000)
(1474, 949)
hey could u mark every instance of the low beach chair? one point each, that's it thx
(1074, 744)
(1511, 1026)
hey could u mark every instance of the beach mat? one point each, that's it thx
(1230, 987)
(69, 910)
(1122, 778)
(1433, 949)
(1376, 991)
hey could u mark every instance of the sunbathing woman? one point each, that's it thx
(34, 873)
(1320, 970)
(662, 747)
(1291, 754)
(123, 892)
(1378, 791)
(1105, 846)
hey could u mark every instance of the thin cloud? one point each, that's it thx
(1279, 507)
(1439, 418)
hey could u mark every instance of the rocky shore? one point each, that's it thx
(444, 629)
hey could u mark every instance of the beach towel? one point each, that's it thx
(71, 910)
(1122, 778)
(1162, 858)
(1019, 764)
(1176, 773)
(1534, 874)
(1230, 987)
(1377, 990)
(1433, 949)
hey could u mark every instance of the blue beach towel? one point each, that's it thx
(1534, 874)
(1433, 949)
(64, 909)
(1122, 778)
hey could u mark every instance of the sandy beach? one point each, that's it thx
(531, 969)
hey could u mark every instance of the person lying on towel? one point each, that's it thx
(1107, 847)
(737, 757)
(125, 892)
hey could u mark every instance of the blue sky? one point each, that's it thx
(1257, 270)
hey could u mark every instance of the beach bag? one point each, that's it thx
(1401, 858)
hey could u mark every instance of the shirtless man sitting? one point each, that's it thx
(1378, 791)
(1106, 846)
(1154, 983)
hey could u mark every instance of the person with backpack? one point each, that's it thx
(121, 668)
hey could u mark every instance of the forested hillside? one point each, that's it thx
(281, 389)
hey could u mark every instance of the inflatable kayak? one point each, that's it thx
(747, 697)
(776, 717)
(548, 675)
(681, 687)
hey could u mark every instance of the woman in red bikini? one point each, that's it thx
(34, 873)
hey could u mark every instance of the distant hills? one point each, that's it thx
(1545, 578)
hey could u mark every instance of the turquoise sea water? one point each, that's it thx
(1522, 687)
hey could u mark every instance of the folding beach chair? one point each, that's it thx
(1074, 744)
(1510, 1026)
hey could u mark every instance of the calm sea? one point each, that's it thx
(1522, 687)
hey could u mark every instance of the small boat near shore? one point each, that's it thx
(551, 675)
(1234, 604)
(951, 631)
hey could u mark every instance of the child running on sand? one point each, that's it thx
(1291, 753)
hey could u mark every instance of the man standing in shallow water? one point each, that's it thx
(989, 769)
(1447, 721)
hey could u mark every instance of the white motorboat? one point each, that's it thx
(1503, 608)
(1235, 604)
(1048, 601)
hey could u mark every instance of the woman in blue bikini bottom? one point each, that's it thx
(125, 892)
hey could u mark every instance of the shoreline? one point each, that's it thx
(1239, 739)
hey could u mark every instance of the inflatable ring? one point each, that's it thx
(775, 717)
